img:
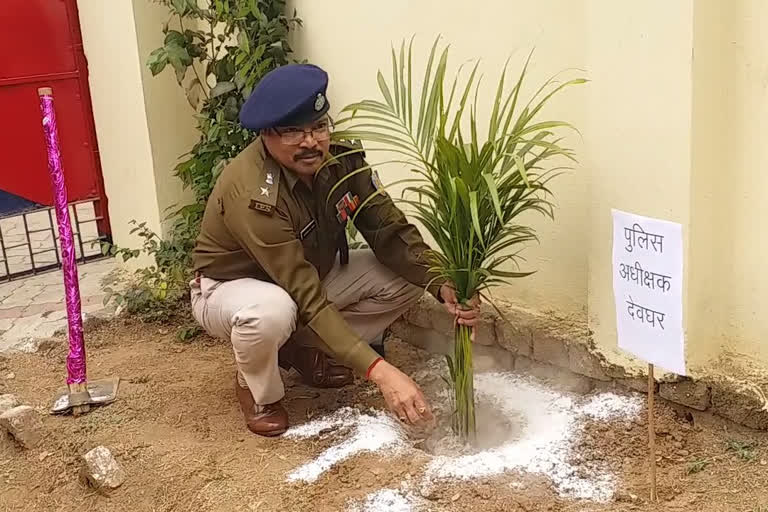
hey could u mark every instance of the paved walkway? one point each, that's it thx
(33, 308)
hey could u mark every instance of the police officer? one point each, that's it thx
(274, 274)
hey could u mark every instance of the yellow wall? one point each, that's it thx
(143, 124)
(634, 115)
(731, 116)
(109, 40)
(673, 123)
(367, 30)
(172, 130)
(709, 223)
(637, 129)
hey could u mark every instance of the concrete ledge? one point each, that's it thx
(563, 352)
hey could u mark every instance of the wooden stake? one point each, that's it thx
(652, 432)
(77, 410)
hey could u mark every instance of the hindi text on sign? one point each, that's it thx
(637, 237)
(645, 314)
(649, 279)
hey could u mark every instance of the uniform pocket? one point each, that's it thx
(308, 235)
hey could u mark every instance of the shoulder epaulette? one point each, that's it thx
(264, 197)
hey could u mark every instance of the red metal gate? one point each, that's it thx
(41, 46)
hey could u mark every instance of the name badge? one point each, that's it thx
(260, 207)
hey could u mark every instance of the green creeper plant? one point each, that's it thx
(218, 51)
(471, 193)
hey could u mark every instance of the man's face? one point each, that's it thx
(300, 149)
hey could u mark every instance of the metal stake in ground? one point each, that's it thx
(652, 432)
(79, 395)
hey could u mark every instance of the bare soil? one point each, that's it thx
(178, 432)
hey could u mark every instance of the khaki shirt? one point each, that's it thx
(262, 222)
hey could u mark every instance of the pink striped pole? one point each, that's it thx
(76, 370)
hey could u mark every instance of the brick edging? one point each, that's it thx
(546, 346)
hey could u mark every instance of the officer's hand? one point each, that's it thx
(402, 394)
(463, 316)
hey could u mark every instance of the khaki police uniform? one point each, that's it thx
(273, 262)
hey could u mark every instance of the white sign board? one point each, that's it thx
(648, 289)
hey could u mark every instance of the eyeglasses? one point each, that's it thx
(294, 136)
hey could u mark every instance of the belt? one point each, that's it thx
(344, 250)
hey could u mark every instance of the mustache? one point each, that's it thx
(307, 154)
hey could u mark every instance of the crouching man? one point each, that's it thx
(274, 274)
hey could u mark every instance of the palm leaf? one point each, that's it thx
(466, 192)
(384, 88)
(425, 87)
(475, 215)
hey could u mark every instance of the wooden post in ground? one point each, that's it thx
(652, 433)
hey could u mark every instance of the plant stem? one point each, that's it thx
(194, 70)
(464, 389)
(212, 23)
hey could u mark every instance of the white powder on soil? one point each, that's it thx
(543, 447)
(345, 417)
(385, 500)
(551, 424)
(369, 433)
(609, 406)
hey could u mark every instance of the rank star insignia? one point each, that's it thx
(270, 180)
(319, 102)
(265, 191)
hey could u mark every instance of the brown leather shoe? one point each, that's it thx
(268, 420)
(314, 366)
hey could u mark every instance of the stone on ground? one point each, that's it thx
(8, 402)
(102, 470)
(694, 394)
(24, 425)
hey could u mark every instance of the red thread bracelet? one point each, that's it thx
(370, 368)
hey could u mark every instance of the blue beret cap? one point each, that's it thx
(290, 95)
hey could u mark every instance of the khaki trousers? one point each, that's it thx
(259, 317)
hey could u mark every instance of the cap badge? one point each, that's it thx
(319, 102)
